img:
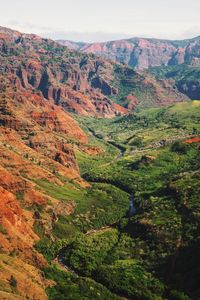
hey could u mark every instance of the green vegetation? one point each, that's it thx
(2, 229)
(185, 76)
(13, 282)
(131, 279)
(146, 255)
(20, 195)
(179, 147)
(70, 286)
(127, 81)
(98, 255)
(152, 125)
(86, 253)
(101, 205)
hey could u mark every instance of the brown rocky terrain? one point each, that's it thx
(36, 143)
(78, 82)
(16, 247)
(58, 74)
(142, 53)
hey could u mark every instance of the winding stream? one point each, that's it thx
(132, 209)
(131, 212)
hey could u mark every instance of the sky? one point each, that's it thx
(103, 20)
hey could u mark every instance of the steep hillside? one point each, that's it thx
(186, 77)
(36, 143)
(78, 82)
(40, 186)
(40, 180)
(142, 53)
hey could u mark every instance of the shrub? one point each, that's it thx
(179, 147)
(13, 281)
(128, 278)
(86, 253)
(176, 295)
(137, 142)
(2, 229)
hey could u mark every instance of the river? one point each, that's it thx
(132, 210)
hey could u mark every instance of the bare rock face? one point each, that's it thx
(17, 237)
(35, 145)
(132, 102)
(101, 84)
(19, 234)
(69, 79)
(79, 82)
(143, 53)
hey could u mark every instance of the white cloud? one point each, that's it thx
(92, 20)
(26, 26)
(88, 37)
(192, 32)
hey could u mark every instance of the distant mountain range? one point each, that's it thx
(142, 53)
(178, 62)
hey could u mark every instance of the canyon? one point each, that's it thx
(79, 134)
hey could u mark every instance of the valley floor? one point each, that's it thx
(145, 254)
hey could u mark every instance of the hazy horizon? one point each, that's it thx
(93, 21)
